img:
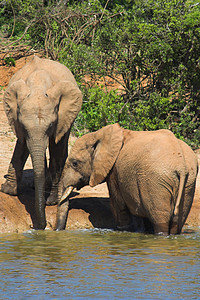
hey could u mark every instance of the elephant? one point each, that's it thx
(151, 177)
(41, 102)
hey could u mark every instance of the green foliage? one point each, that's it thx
(151, 47)
(101, 108)
(9, 61)
(152, 113)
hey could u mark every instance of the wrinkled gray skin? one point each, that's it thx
(41, 103)
(151, 176)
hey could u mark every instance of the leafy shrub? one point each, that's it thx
(152, 113)
(100, 108)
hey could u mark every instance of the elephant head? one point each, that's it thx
(27, 108)
(89, 162)
(38, 110)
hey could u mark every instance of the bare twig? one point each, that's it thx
(104, 9)
(196, 4)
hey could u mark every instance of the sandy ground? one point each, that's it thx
(88, 209)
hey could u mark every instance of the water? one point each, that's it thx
(99, 264)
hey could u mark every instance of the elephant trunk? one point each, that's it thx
(38, 154)
(63, 207)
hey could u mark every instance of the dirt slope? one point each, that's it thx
(88, 209)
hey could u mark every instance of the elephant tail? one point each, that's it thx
(182, 181)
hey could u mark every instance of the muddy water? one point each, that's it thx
(94, 264)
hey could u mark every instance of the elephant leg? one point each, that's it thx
(161, 228)
(15, 169)
(141, 224)
(157, 202)
(161, 222)
(166, 222)
(123, 216)
(184, 209)
(121, 213)
(58, 154)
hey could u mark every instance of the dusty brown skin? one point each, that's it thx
(151, 176)
(41, 102)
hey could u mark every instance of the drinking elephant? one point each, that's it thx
(150, 175)
(41, 102)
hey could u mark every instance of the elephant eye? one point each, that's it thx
(74, 164)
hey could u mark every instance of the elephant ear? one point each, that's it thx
(69, 98)
(108, 143)
(14, 94)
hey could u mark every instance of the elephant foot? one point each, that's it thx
(161, 228)
(40, 225)
(52, 199)
(175, 226)
(9, 188)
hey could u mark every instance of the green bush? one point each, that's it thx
(152, 113)
(100, 108)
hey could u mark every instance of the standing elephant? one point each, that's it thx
(151, 175)
(41, 102)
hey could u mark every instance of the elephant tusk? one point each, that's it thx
(66, 193)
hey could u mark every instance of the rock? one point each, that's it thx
(13, 215)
